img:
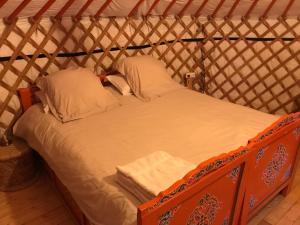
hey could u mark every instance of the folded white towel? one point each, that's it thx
(148, 176)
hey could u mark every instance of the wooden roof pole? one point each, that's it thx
(103, 7)
(233, 8)
(251, 8)
(83, 8)
(218, 8)
(43, 9)
(268, 9)
(165, 13)
(16, 12)
(135, 8)
(198, 12)
(60, 14)
(185, 7)
(152, 7)
(2, 2)
(285, 12)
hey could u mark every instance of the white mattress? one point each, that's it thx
(84, 153)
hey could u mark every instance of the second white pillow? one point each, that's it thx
(119, 82)
(147, 77)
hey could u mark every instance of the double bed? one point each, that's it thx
(83, 153)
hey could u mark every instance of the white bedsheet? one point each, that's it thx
(84, 153)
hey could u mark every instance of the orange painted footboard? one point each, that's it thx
(230, 188)
(275, 153)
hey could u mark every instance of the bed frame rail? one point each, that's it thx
(231, 188)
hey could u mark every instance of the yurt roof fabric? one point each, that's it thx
(106, 8)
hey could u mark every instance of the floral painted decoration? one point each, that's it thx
(260, 154)
(167, 216)
(205, 212)
(234, 174)
(252, 201)
(287, 173)
(275, 165)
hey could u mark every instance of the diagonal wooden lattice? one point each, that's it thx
(265, 74)
(262, 74)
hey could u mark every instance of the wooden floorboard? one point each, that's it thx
(37, 205)
(40, 204)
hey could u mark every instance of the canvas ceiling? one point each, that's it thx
(218, 8)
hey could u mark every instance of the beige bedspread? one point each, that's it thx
(84, 153)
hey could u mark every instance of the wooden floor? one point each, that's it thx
(40, 204)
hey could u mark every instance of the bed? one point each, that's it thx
(83, 155)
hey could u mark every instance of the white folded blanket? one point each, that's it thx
(148, 176)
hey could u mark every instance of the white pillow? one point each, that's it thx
(75, 93)
(119, 82)
(147, 77)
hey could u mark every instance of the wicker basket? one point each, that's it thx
(18, 166)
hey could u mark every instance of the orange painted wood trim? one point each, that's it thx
(26, 96)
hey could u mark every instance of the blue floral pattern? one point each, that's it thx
(252, 201)
(234, 174)
(287, 173)
(225, 221)
(275, 165)
(167, 216)
(260, 154)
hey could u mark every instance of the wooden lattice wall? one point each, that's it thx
(254, 62)
(251, 62)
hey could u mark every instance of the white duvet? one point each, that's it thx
(85, 152)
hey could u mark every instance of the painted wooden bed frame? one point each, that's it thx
(228, 189)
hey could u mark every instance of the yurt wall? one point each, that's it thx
(243, 51)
